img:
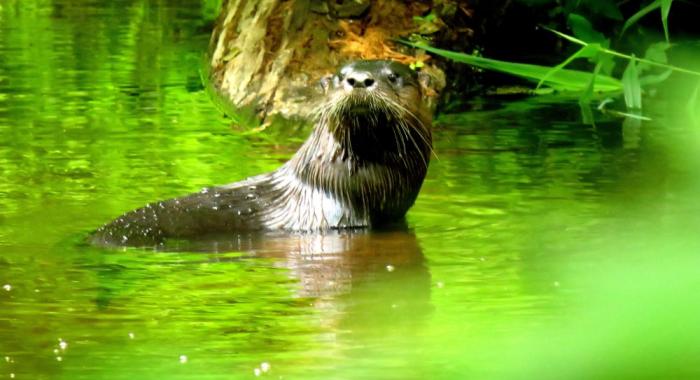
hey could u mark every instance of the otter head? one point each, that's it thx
(376, 109)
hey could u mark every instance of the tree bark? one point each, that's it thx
(267, 56)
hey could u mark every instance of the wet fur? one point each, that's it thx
(362, 166)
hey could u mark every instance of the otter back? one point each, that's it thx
(362, 166)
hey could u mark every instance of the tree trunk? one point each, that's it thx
(267, 56)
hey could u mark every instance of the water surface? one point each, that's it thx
(539, 247)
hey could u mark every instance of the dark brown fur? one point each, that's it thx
(362, 166)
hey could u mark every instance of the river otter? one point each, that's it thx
(362, 166)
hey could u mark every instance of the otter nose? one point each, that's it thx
(360, 80)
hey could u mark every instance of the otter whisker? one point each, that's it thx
(422, 128)
(398, 111)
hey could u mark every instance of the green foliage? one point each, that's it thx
(583, 29)
(563, 79)
(595, 47)
(632, 86)
(663, 5)
(210, 9)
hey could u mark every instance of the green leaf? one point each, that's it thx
(584, 101)
(632, 87)
(587, 51)
(625, 56)
(657, 52)
(607, 63)
(584, 31)
(642, 12)
(562, 80)
(652, 79)
(665, 9)
(587, 94)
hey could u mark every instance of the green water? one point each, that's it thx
(539, 248)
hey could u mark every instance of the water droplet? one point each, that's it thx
(131, 335)
(55, 351)
(183, 359)
(59, 358)
(440, 284)
(257, 372)
(215, 208)
(205, 190)
(7, 359)
(390, 268)
(556, 284)
(12, 376)
(265, 366)
(62, 344)
(7, 287)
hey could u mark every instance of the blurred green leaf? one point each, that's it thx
(587, 51)
(632, 87)
(584, 100)
(652, 79)
(562, 79)
(656, 52)
(665, 9)
(641, 13)
(665, 6)
(583, 30)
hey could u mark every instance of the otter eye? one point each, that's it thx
(393, 77)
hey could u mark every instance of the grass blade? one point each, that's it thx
(632, 87)
(585, 52)
(642, 12)
(562, 79)
(665, 9)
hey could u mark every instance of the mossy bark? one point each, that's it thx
(267, 56)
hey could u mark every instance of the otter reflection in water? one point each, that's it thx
(285, 287)
(362, 166)
(329, 263)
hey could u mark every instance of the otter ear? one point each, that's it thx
(431, 80)
(425, 80)
(325, 83)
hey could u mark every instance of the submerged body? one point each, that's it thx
(362, 166)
